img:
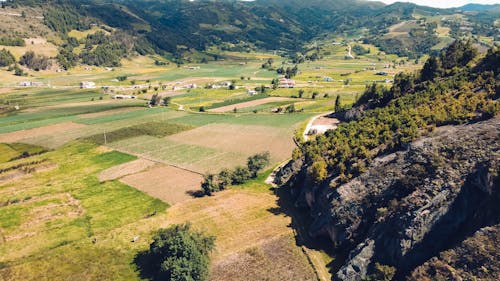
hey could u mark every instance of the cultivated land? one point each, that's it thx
(82, 174)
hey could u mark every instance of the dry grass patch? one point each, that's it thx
(274, 260)
(239, 219)
(41, 131)
(244, 139)
(248, 104)
(164, 182)
(38, 45)
(125, 169)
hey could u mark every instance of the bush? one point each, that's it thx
(34, 61)
(6, 58)
(258, 162)
(214, 183)
(177, 253)
(241, 175)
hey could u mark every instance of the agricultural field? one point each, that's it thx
(86, 179)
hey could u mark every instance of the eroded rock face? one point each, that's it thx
(474, 259)
(410, 206)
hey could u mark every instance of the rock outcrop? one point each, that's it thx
(410, 206)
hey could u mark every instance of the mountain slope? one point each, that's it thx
(391, 189)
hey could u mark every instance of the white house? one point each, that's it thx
(252, 92)
(123, 97)
(226, 84)
(286, 83)
(87, 85)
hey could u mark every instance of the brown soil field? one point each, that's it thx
(274, 260)
(164, 182)
(241, 138)
(45, 130)
(110, 112)
(248, 104)
(125, 169)
(73, 104)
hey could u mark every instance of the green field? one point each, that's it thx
(67, 208)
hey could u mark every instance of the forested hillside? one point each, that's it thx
(401, 180)
(172, 27)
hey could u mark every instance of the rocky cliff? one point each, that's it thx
(413, 213)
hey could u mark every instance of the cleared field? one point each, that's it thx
(196, 158)
(125, 169)
(57, 140)
(247, 140)
(167, 183)
(239, 219)
(248, 104)
(275, 260)
(273, 120)
(110, 112)
(40, 131)
(38, 45)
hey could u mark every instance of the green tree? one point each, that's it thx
(6, 58)
(34, 61)
(432, 68)
(224, 179)
(318, 171)
(167, 101)
(301, 93)
(177, 253)
(240, 175)
(258, 162)
(155, 100)
(338, 106)
(209, 184)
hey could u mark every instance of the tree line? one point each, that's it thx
(217, 182)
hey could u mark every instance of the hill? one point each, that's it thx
(393, 187)
(184, 31)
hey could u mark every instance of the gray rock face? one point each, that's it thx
(410, 206)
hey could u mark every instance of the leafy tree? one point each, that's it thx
(224, 179)
(240, 175)
(432, 69)
(258, 162)
(155, 100)
(290, 108)
(6, 58)
(67, 58)
(209, 184)
(167, 101)
(301, 93)
(318, 171)
(177, 253)
(338, 106)
(34, 61)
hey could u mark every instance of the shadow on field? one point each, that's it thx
(301, 221)
(144, 264)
